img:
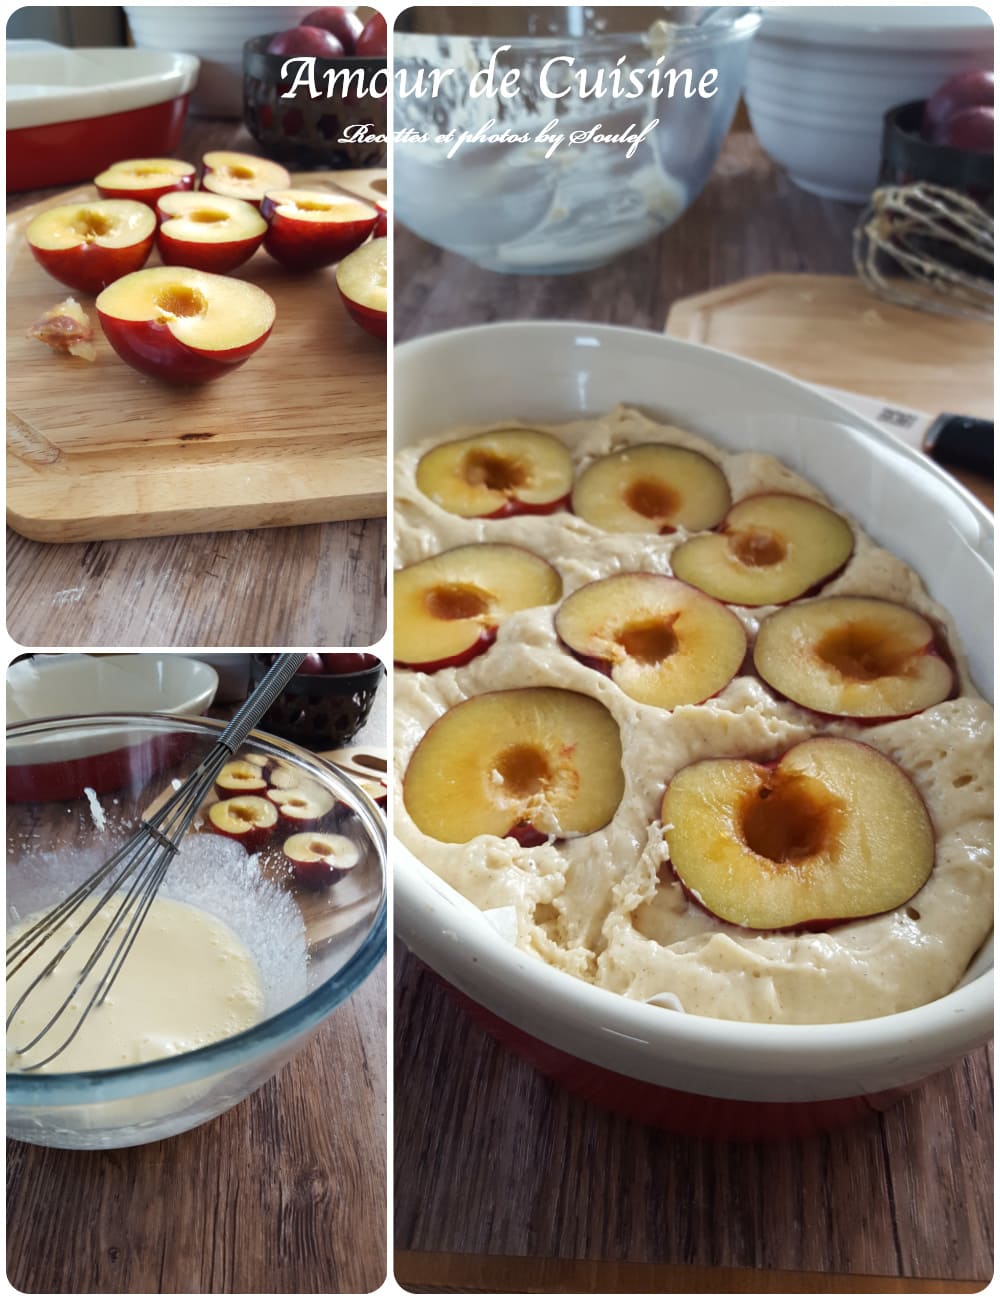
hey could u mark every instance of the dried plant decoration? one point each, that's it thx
(925, 246)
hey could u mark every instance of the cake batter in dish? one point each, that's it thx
(188, 981)
(606, 907)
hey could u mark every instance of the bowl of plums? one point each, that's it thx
(328, 700)
(309, 98)
(946, 139)
(692, 732)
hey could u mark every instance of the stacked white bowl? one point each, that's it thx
(820, 79)
(216, 34)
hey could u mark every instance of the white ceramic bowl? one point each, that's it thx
(705, 1076)
(216, 34)
(819, 81)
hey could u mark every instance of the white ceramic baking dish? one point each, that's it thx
(699, 1075)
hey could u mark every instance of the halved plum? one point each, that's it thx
(663, 642)
(528, 763)
(447, 608)
(832, 831)
(652, 488)
(492, 475)
(771, 549)
(853, 657)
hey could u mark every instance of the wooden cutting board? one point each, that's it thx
(295, 436)
(828, 329)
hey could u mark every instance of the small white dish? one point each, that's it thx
(72, 686)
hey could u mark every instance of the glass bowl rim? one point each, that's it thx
(742, 26)
(93, 1086)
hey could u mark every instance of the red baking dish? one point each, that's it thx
(722, 1119)
(71, 113)
(63, 763)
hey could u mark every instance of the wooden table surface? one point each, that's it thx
(505, 1182)
(320, 584)
(285, 1193)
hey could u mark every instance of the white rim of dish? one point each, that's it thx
(857, 25)
(84, 666)
(169, 76)
(961, 1019)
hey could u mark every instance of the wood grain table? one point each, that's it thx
(317, 584)
(285, 1193)
(503, 1182)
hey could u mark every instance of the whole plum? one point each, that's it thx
(309, 42)
(374, 40)
(963, 90)
(970, 129)
(343, 23)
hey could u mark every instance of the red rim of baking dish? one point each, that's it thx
(689, 1114)
(62, 153)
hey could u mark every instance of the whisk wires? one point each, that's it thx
(128, 881)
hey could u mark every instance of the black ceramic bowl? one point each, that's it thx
(907, 157)
(305, 133)
(319, 710)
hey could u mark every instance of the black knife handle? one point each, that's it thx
(962, 441)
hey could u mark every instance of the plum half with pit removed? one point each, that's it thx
(448, 607)
(493, 475)
(652, 488)
(771, 549)
(853, 657)
(663, 642)
(532, 763)
(832, 831)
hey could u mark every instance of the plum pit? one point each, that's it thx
(652, 641)
(652, 499)
(864, 651)
(791, 820)
(758, 548)
(455, 600)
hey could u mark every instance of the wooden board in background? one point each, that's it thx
(828, 329)
(295, 436)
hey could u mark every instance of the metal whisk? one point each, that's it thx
(135, 872)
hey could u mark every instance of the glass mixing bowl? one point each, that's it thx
(509, 207)
(76, 788)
